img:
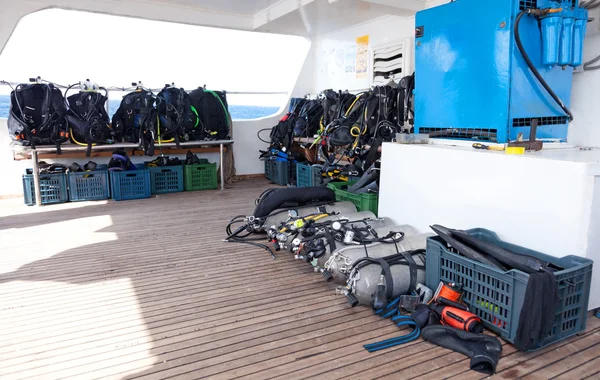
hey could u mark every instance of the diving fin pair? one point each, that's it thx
(488, 253)
(465, 250)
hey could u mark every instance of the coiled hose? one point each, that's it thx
(532, 67)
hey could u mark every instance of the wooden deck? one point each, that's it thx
(147, 290)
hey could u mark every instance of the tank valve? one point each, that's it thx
(352, 300)
(327, 275)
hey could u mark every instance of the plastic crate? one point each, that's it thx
(270, 168)
(53, 188)
(317, 171)
(304, 176)
(166, 179)
(308, 175)
(281, 172)
(497, 297)
(89, 186)
(132, 184)
(200, 177)
(363, 202)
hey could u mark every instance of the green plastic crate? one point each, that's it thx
(200, 177)
(363, 202)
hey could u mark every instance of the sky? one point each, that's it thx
(69, 46)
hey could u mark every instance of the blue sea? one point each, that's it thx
(237, 112)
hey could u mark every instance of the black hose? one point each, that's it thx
(234, 236)
(262, 130)
(533, 69)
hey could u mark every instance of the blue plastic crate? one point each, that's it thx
(497, 297)
(89, 186)
(166, 179)
(53, 188)
(132, 184)
(304, 176)
(281, 172)
(269, 168)
(317, 175)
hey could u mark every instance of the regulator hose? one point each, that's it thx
(237, 237)
(533, 69)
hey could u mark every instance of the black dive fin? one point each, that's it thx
(527, 264)
(370, 175)
(464, 249)
(484, 350)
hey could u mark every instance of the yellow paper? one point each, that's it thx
(362, 56)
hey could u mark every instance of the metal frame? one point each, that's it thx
(75, 148)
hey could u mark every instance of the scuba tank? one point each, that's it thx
(293, 233)
(337, 266)
(353, 230)
(368, 285)
(281, 209)
(318, 238)
(282, 216)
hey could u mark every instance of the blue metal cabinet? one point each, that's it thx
(471, 80)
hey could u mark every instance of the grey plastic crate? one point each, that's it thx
(497, 297)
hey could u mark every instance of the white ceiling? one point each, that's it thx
(254, 7)
(323, 16)
(241, 7)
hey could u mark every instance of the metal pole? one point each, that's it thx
(36, 178)
(222, 167)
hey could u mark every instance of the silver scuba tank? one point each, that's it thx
(380, 230)
(356, 215)
(349, 237)
(364, 282)
(281, 216)
(338, 265)
(293, 245)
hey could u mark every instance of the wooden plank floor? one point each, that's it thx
(146, 290)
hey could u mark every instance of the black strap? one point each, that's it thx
(88, 151)
(389, 280)
(412, 268)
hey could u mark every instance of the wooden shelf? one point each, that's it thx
(19, 156)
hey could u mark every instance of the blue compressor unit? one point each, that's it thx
(472, 82)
